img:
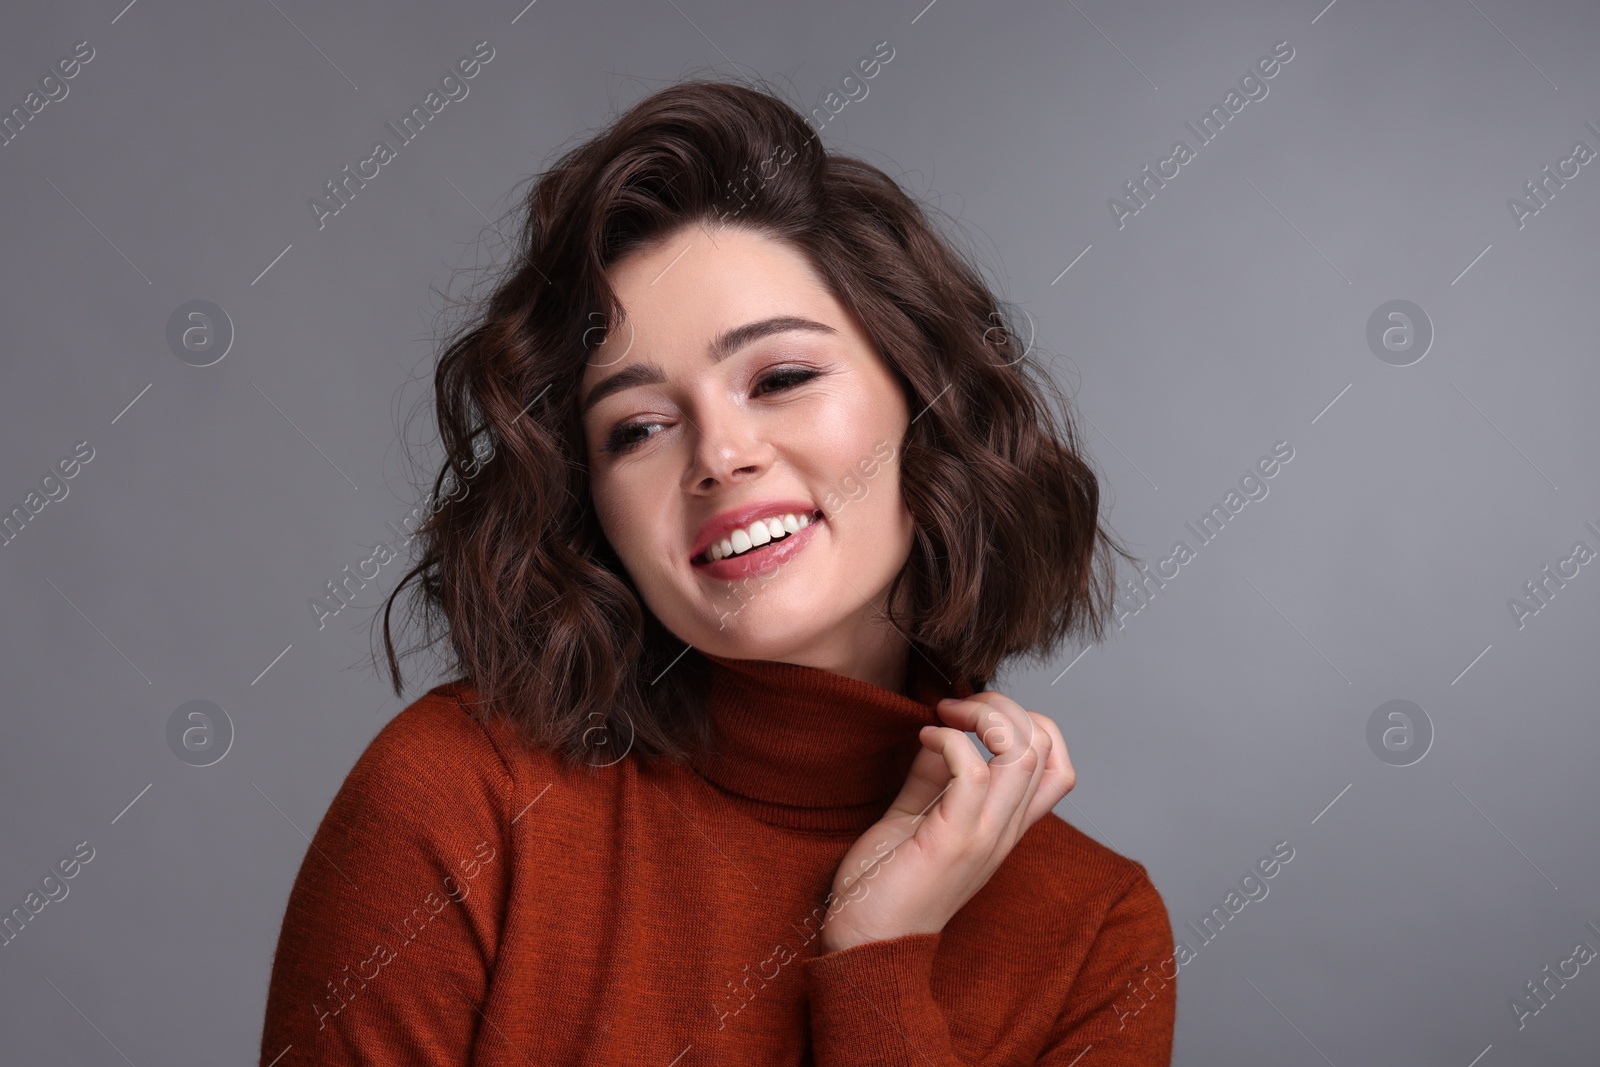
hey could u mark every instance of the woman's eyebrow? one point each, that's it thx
(725, 345)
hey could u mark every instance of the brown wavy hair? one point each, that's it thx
(544, 623)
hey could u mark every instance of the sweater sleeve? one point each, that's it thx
(1122, 1003)
(392, 925)
(899, 1023)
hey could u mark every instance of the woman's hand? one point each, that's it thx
(956, 819)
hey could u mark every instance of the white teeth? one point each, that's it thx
(756, 534)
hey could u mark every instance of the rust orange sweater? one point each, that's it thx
(469, 899)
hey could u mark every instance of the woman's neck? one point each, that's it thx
(809, 748)
(868, 649)
(884, 664)
(874, 652)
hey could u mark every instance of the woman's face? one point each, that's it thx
(748, 392)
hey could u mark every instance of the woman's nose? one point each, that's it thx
(727, 444)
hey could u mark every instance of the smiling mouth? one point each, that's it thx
(774, 540)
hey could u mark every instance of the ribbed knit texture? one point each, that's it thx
(470, 900)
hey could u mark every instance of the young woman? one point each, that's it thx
(750, 493)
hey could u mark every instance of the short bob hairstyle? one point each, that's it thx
(545, 624)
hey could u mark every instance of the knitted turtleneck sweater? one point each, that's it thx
(469, 899)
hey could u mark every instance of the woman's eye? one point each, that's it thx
(630, 435)
(787, 377)
(624, 439)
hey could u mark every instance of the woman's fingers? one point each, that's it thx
(1021, 751)
(1027, 775)
(1021, 760)
(949, 763)
(1059, 777)
(1004, 727)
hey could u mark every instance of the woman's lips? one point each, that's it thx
(759, 561)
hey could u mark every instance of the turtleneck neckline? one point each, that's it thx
(807, 749)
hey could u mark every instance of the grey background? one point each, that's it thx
(1229, 314)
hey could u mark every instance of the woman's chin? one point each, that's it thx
(770, 630)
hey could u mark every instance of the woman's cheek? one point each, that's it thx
(610, 499)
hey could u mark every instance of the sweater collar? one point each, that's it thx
(807, 749)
